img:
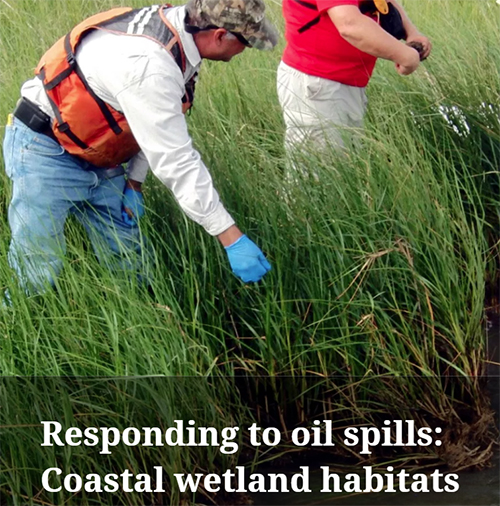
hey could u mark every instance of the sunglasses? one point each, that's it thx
(194, 29)
(241, 38)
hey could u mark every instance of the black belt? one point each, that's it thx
(33, 117)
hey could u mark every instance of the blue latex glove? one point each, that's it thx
(134, 201)
(247, 260)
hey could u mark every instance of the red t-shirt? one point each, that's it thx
(321, 50)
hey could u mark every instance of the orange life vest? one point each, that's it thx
(84, 124)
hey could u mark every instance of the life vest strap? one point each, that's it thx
(70, 57)
(177, 39)
(62, 126)
(58, 79)
(102, 105)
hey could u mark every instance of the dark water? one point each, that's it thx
(476, 488)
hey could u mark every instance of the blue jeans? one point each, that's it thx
(47, 185)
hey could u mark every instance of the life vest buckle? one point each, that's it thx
(70, 58)
(63, 127)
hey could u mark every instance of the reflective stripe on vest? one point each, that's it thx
(85, 125)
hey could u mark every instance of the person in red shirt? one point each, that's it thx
(332, 47)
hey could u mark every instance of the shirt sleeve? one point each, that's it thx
(324, 5)
(137, 168)
(153, 108)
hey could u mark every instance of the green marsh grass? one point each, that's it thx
(379, 269)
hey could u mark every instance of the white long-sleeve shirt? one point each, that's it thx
(139, 78)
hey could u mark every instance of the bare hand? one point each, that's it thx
(421, 39)
(410, 62)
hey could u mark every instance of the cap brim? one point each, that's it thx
(263, 36)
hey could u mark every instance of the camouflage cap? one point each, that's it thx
(245, 17)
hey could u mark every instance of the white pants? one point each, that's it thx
(318, 111)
